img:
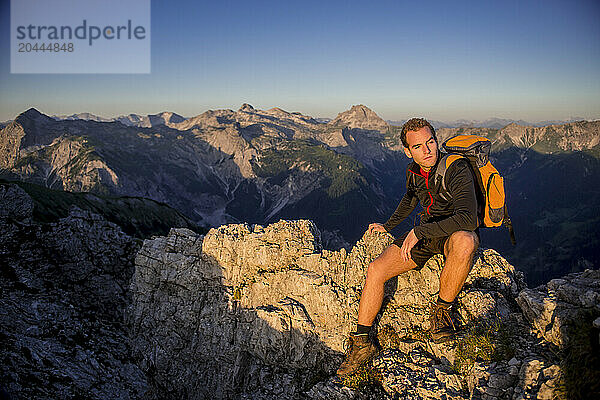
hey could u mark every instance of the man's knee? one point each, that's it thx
(372, 271)
(463, 243)
(378, 270)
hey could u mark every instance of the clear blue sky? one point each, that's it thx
(443, 60)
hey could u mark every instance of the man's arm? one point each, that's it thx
(462, 190)
(405, 207)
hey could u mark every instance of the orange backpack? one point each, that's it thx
(491, 199)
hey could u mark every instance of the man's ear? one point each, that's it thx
(407, 152)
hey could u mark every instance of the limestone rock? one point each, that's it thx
(553, 308)
(215, 313)
(64, 288)
(361, 117)
(15, 203)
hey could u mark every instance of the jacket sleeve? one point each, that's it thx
(405, 207)
(461, 187)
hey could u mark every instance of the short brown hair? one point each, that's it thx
(414, 124)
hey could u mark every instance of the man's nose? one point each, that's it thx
(427, 149)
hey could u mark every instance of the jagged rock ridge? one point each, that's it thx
(64, 289)
(167, 118)
(262, 295)
(572, 136)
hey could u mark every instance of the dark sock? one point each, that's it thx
(362, 329)
(443, 303)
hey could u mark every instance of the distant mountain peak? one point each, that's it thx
(86, 116)
(278, 110)
(32, 115)
(165, 118)
(360, 116)
(247, 107)
(361, 108)
(31, 110)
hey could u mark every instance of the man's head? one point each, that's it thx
(420, 143)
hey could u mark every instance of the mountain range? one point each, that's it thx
(494, 123)
(166, 117)
(145, 121)
(259, 166)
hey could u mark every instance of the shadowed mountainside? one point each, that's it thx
(137, 217)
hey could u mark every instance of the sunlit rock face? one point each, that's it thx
(253, 311)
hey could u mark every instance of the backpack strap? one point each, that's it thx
(440, 174)
(509, 224)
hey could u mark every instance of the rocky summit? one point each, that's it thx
(262, 312)
(361, 117)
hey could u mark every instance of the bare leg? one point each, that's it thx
(386, 266)
(459, 250)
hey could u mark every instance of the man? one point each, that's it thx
(447, 227)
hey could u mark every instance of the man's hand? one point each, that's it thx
(376, 227)
(407, 245)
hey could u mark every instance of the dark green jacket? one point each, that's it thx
(439, 217)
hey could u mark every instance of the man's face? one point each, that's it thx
(422, 147)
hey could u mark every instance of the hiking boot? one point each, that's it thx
(360, 351)
(443, 325)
